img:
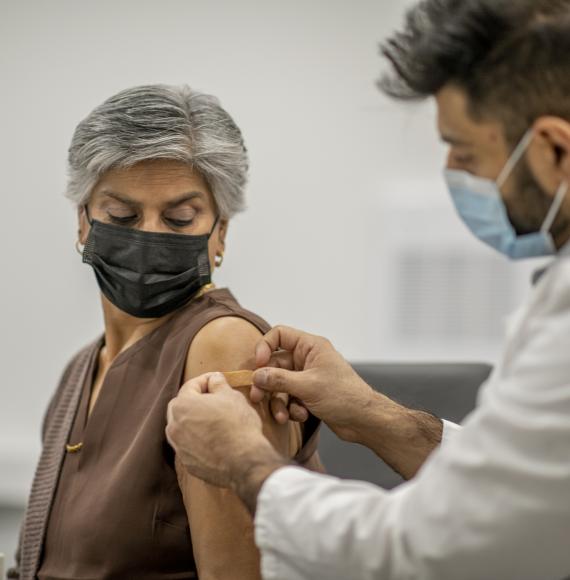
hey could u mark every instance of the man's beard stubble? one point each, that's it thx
(532, 206)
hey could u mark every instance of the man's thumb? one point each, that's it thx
(276, 380)
(217, 382)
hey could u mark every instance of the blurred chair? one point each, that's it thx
(448, 391)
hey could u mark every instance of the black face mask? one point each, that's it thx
(147, 274)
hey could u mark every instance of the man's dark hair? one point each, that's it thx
(511, 57)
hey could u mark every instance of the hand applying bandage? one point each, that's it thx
(202, 424)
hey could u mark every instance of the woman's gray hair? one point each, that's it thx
(161, 122)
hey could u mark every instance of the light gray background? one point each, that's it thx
(349, 232)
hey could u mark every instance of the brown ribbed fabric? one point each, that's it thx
(114, 509)
(61, 411)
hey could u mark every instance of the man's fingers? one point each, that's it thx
(169, 418)
(278, 338)
(191, 388)
(279, 409)
(297, 412)
(262, 353)
(197, 385)
(281, 359)
(217, 382)
(280, 381)
(256, 394)
(283, 338)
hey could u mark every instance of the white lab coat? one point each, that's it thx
(493, 503)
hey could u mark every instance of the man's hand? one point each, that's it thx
(309, 369)
(313, 373)
(218, 437)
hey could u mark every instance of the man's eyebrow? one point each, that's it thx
(453, 141)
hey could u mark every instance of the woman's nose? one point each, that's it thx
(152, 222)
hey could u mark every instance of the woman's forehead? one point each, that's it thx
(157, 180)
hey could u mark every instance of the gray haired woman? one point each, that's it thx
(156, 173)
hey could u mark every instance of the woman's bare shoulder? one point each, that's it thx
(224, 344)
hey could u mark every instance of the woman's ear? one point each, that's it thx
(549, 153)
(222, 232)
(217, 245)
(83, 225)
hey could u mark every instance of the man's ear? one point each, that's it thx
(549, 153)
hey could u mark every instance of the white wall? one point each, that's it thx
(345, 186)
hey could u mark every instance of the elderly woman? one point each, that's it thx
(156, 172)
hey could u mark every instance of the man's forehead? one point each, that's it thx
(457, 126)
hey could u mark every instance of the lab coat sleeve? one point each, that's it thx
(493, 503)
(450, 429)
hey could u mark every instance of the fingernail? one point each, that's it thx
(217, 378)
(260, 377)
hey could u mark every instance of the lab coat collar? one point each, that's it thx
(564, 252)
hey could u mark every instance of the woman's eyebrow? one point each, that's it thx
(122, 198)
(172, 203)
(184, 198)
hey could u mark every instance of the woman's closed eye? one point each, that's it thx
(179, 223)
(180, 217)
(175, 218)
(130, 220)
(122, 220)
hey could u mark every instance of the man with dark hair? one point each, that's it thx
(492, 502)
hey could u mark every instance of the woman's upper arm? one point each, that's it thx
(228, 344)
(221, 528)
(225, 344)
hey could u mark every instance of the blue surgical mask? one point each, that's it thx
(481, 206)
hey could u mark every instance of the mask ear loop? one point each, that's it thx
(515, 157)
(510, 165)
(555, 207)
(89, 220)
(214, 226)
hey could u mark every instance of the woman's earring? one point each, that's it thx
(218, 260)
(79, 247)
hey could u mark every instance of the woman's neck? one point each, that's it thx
(122, 330)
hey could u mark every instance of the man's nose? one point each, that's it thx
(450, 162)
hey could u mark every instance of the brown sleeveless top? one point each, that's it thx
(116, 509)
